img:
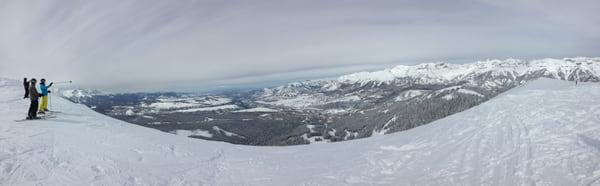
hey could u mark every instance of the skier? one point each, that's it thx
(33, 96)
(26, 85)
(44, 88)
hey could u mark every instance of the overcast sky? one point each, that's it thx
(138, 45)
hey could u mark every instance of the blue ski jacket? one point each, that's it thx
(44, 89)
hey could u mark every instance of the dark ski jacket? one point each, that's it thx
(33, 93)
(26, 84)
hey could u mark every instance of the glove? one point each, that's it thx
(49, 91)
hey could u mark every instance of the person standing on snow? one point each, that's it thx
(26, 85)
(33, 96)
(44, 88)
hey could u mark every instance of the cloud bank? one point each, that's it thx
(138, 45)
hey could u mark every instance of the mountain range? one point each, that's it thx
(349, 107)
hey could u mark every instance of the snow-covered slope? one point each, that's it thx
(547, 132)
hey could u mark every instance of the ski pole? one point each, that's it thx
(58, 82)
(63, 82)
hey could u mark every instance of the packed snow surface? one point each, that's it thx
(545, 133)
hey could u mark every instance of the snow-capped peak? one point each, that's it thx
(80, 93)
(431, 73)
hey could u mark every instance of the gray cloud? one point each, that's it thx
(151, 44)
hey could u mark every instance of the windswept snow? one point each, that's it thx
(544, 133)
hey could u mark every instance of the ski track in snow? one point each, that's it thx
(545, 133)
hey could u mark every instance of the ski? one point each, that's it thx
(41, 118)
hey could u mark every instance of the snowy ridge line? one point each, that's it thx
(479, 78)
(445, 72)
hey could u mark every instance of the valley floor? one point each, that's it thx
(546, 133)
